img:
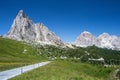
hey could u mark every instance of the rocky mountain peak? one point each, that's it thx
(104, 40)
(86, 34)
(23, 29)
(104, 35)
(85, 39)
(21, 11)
(21, 14)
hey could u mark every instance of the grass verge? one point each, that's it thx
(16, 54)
(67, 70)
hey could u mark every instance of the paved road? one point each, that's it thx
(4, 75)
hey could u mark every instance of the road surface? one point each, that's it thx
(4, 75)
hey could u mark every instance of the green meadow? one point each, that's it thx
(15, 54)
(67, 70)
(74, 66)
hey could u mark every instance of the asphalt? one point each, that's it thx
(5, 75)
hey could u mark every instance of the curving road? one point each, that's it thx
(4, 75)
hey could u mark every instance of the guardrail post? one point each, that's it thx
(21, 70)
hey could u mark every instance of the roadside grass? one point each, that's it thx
(67, 70)
(7, 66)
(16, 54)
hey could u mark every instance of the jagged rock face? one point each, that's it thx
(104, 41)
(116, 44)
(85, 39)
(23, 29)
(108, 41)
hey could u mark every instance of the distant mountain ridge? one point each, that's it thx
(23, 29)
(104, 40)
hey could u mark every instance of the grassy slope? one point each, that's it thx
(79, 52)
(66, 70)
(12, 54)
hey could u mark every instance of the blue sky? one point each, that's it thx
(66, 18)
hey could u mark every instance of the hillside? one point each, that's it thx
(81, 54)
(16, 54)
(15, 51)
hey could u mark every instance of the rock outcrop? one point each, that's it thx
(23, 29)
(109, 41)
(105, 40)
(85, 39)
